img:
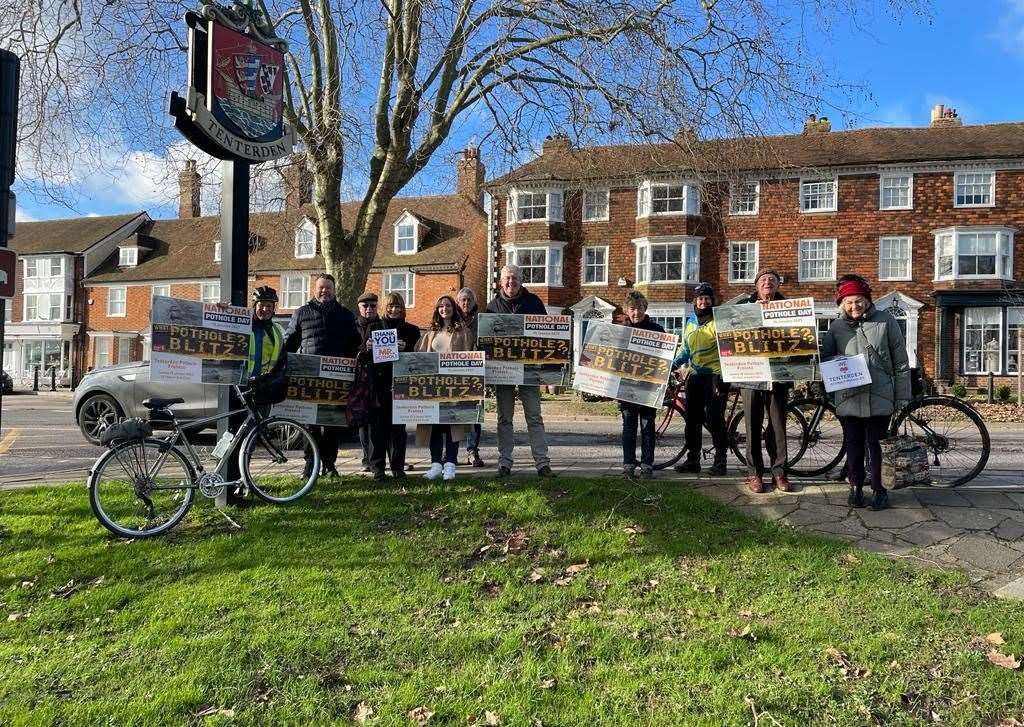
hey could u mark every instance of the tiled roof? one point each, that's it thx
(69, 236)
(793, 151)
(183, 248)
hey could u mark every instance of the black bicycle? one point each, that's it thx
(951, 429)
(143, 485)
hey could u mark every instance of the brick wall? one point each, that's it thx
(428, 288)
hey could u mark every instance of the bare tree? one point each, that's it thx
(377, 87)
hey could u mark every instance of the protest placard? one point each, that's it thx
(317, 389)
(761, 343)
(845, 372)
(625, 363)
(385, 345)
(198, 343)
(438, 388)
(525, 350)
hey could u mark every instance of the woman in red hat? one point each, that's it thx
(864, 411)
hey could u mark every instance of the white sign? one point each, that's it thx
(788, 312)
(745, 369)
(845, 372)
(385, 345)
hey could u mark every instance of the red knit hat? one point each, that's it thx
(852, 287)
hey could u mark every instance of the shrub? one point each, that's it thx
(959, 390)
(1003, 393)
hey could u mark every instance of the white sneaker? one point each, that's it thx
(434, 472)
(449, 470)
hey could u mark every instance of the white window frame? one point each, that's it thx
(909, 275)
(553, 205)
(1014, 311)
(59, 260)
(128, 257)
(554, 261)
(957, 176)
(217, 250)
(303, 233)
(204, 292)
(165, 290)
(1000, 326)
(122, 292)
(107, 341)
(690, 198)
(734, 196)
(595, 194)
(910, 191)
(689, 259)
(407, 290)
(804, 181)
(124, 346)
(659, 312)
(32, 268)
(289, 288)
(407, 219)
(584, 264)
(753, 270)
(801, 247)
(1004, 252)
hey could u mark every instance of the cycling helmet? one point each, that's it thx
(264, 293)
(704, 289)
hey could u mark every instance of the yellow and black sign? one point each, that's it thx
(520, 349)
(439, 387)
(204, 343)
(627, 364)
(769, 342)
(317, 390)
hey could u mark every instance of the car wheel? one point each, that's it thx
(96, 414)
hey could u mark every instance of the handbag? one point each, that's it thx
(904, 462)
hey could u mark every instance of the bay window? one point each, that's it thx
(43, 307)
(667, 198)
(534, 205)
(983, 340)
(974, 253)
(541, 264)
(1014, 337)
(667, 259)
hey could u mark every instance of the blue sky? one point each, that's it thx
(968, 55)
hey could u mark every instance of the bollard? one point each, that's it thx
(35, 378)
(53, 378)
(991, 387)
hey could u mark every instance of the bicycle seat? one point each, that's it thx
(159, 403)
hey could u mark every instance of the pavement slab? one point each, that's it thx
(928, 533)
(892, 518)
(990, 500)
(1010, 530)
(941, 498)
(851, 526)
(966, 518)
(983, 553)
(804, 517)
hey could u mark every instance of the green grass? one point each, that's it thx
(389, 598)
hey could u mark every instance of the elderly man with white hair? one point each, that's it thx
(514, 298)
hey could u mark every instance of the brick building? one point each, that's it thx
(45, 318)
(929, 215)
(428, 246)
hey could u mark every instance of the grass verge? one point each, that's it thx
(577, 602)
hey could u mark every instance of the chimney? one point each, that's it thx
(189, 186)
(942, 116)
(814, 125)
(556, 143)
(298, 182)
(470, 171)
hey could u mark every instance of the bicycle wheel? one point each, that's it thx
(272, 461)
(826, 445)
(669, 437)
(954, 433)
(141, 488)
(796, 436)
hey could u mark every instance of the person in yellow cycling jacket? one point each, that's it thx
(705, 391)
(266, 338)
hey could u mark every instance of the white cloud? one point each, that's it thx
(1010, 31)
(20, 215)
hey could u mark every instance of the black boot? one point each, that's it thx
(690, 466)
(856, 496)
(880, 499)
(718, 469)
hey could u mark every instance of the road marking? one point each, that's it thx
(8, 440)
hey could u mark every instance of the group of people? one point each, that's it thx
(326, 328)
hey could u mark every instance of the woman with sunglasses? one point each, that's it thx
(864, 411)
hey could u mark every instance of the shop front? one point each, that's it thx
(43, 345)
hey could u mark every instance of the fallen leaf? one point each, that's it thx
(935, 671)
(211, 711)
(547, 684)
(743, 633)
(66, 590)
(362, 713)
(747, 614)
(570, 573)
(536, 575)
(846, 667)
(634, 530)
(1007, 662)
(50, 559)
(491, 719)
(851, 559)
(1010, 722)
(516, 542)
(995, 638)
(421, 715)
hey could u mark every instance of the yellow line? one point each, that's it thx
(8, 441)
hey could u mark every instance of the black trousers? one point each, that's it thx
(756, 405)
(385, 442)
(863, 435)
(326, 439)
(705, 404)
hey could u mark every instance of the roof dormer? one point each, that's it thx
(217, 247)
(408, 228)
(305, 239)
(127, 256)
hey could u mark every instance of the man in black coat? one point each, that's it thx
(514, 298)
(323, 327)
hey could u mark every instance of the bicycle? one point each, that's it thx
(670, 439)
(143, 486)
(951, 429)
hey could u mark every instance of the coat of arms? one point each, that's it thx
(246, 84)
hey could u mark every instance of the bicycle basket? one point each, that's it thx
(269, 388)
(126, 429)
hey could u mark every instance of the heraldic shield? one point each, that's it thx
(246, 84)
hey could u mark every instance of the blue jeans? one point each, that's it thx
(473, 438)
(442, 448)
(631, 416)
